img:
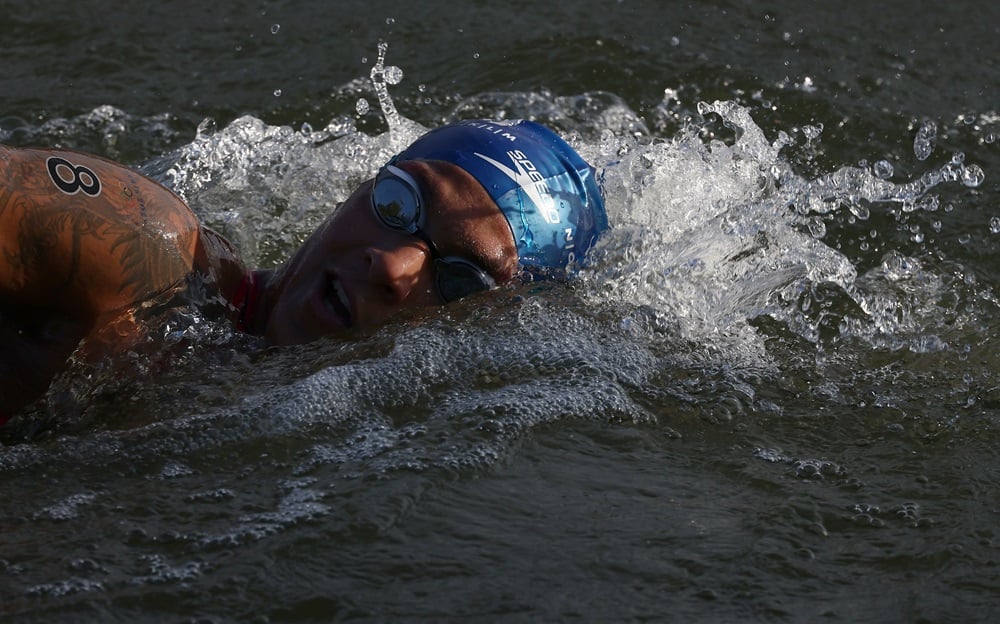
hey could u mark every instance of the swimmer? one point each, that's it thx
(87, 246)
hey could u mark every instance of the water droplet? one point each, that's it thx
(277, 93)
(675, 41)
(390, 21)
(973, 176)
(990, 138)
(860, 211)
(362, 106)
(812, 132)
(995, 225)
(883, 169)
(817, 228)
(275, 28)
(206, 127)
(923, 143)
(422, 88)
(896, 266)
(393, 75)
(929, 203)
(475, 55)
(964, 239)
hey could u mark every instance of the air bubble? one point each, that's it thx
(995, 225)
(362, 106)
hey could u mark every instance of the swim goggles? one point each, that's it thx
(398, 205)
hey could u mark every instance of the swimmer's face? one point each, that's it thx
(355, 271)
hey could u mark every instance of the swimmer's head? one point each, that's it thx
(546, 191)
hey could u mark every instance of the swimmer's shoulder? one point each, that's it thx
(80, 230)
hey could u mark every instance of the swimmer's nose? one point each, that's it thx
(396, 271)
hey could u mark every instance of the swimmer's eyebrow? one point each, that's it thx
(447, 246)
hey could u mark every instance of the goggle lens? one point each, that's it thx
(396, 201)
(398, 204)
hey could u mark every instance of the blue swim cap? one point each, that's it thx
(547, 192)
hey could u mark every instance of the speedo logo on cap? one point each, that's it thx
(530, 179)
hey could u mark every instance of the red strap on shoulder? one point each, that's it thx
(245, 302)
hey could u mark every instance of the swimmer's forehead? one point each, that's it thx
(462, 218)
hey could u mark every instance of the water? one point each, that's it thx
(772, 396)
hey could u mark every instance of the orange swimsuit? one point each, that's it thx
(83, 241)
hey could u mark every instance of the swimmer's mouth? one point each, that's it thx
(338, 301)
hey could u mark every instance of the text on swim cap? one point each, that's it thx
(530, 179)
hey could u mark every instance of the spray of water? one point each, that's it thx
(709, 237)
(714, 235)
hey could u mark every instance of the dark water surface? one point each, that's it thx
(773, 397)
